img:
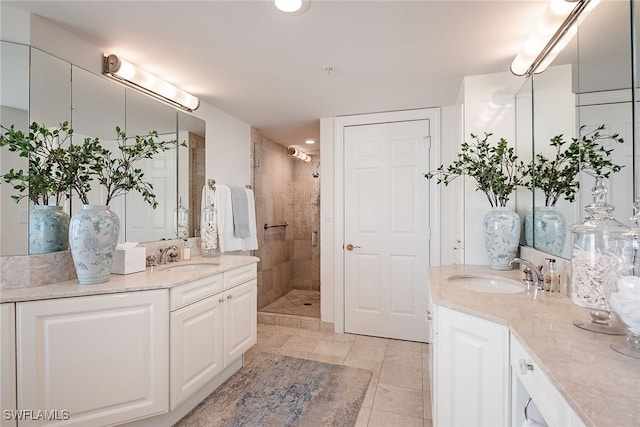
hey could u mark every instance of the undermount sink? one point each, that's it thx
(191, 267)
(489, 284)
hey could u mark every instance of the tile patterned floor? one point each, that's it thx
(399, 393)
(297, 302)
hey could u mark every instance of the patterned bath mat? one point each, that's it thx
(275, 390)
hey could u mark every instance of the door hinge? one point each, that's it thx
(427, 139)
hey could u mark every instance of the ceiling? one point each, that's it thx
(267, 68)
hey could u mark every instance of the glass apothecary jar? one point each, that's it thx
(181, 221)
(622, 290)
(592, 258)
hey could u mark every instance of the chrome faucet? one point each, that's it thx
(533, 273)
(163, 254)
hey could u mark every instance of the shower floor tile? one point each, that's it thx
(297, 302)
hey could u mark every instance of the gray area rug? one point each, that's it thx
(275, 390)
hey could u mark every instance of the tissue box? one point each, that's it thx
(129, 260)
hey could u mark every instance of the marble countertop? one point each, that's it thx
(152, 278)
(601, 385)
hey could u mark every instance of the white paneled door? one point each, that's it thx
(386, 229)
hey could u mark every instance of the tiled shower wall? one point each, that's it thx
(284, 191)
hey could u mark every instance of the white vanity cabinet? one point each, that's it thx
(471, 370)
(213, 322)
(527, 375)
(7, 365)
(96, 360)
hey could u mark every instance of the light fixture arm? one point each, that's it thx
(566, 25)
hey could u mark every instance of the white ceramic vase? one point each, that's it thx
(546, 230)
(501, 237)
(48, 229)
(93, 235)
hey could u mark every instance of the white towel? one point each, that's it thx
(251, 242)
(208, 222)
(240, 212)
(228, 242)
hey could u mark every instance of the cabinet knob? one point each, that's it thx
(229, 296)
(221, 300)
(525, 367)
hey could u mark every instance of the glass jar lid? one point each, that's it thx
(599, 219)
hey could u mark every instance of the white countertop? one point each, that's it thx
(601, 385)
(152, 278)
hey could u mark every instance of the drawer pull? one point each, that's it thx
(525, 367)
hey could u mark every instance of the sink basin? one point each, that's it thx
(191, 267)
(489, 284)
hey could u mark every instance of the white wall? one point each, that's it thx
(489, 106)
(327, 213)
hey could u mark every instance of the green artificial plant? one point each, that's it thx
(495, 168)
(47, 178)
(116, 170)
(558, 177)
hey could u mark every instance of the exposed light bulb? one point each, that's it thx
(559, 14)
(288, 6)
(297, 154)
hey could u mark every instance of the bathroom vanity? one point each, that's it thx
(491, 347)
(144, 348)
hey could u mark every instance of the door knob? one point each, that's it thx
(351, 247)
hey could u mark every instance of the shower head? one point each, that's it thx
(315, 174)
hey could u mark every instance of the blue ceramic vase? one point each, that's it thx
(48, 229)
(546, 230)
(93, 235)
(501, 237)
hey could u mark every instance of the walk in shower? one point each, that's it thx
(287, 191)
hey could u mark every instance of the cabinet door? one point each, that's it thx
(553, 407)
(240, 320)
(471, 368)
(196, 347)
(8, 364)
(100, 359)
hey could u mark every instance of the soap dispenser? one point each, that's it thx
(185, 251)
(552, 277)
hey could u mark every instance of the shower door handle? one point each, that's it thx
(314, 239)
(351, 247)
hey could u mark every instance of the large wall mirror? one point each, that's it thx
(40, 87)
(588, 85)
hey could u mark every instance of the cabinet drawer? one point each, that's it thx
(552, 405)
(195, 291)
(240, 275)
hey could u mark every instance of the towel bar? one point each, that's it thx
(284, 224)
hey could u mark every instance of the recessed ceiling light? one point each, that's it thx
(310, 141)
(291, 6)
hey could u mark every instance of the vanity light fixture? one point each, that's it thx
(553, 31)
(294, 153)
(127, 73)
